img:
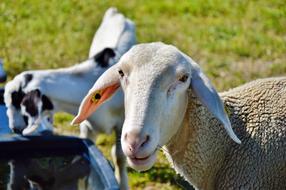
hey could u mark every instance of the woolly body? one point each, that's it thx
(203, 153)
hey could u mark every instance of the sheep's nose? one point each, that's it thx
(17, 130)
(136, 141)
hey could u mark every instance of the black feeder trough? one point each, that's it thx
(51, 162)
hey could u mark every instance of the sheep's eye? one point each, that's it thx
(121, 73)
(184, 78)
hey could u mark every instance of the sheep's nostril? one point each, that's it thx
(130, 148)
(135, 141)
(147, 138)
(17, 130)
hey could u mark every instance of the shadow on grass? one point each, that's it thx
(158, 174)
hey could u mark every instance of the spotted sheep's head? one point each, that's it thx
(13, 97)
(155, 79)
(38, 109)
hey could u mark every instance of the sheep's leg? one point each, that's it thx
(119, 161)
(85, 130)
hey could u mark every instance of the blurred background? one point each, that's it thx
(233, 41)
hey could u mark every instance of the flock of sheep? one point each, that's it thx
(156, 97)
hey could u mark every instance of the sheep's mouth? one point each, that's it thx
(143, 160)
(30, 129)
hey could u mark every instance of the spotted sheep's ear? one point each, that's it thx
(106, 85)
(103, 57)
(209, 97)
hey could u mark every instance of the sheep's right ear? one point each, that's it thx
(103, 89)
(207, 94)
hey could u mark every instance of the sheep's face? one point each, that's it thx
(155, 89)
(13, 98)
(155, 79)
(17, 122)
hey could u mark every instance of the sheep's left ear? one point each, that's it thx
(207, 94)
(103, 89)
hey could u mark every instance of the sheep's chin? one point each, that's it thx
(30, 130)
(142, 165)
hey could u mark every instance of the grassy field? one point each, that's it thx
(233, 41)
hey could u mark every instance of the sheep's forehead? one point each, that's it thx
(154, 59)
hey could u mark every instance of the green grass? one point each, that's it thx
(233, 41)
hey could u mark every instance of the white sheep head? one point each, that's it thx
(155, 79)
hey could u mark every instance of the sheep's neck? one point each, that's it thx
(198, 149)
(78, 78)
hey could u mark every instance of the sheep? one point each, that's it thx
(66, 87)
(170, 103)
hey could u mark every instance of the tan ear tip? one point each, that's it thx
(75, 121)
(238, 141)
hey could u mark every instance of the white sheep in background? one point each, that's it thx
(170, 102)
(66, 87)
